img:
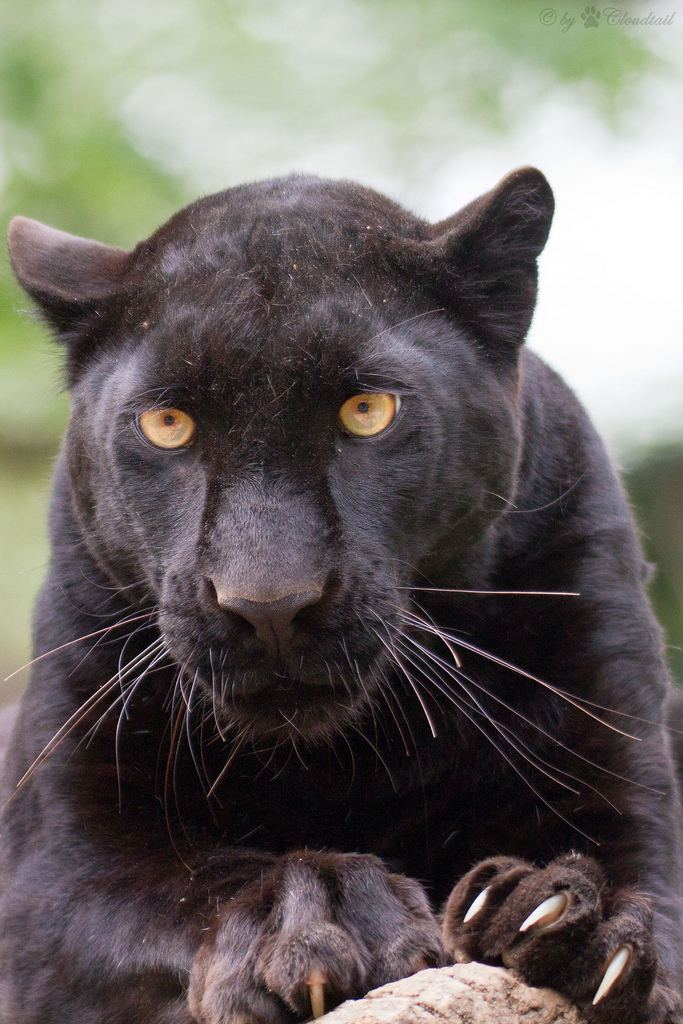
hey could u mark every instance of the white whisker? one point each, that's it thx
(417, 621)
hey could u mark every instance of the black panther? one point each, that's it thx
(344, 661)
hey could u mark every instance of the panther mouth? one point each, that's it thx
(283, 704)
(314, 689)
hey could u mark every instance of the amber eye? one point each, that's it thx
(167, 428)
(367, 415)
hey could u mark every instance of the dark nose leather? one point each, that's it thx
(272, 620)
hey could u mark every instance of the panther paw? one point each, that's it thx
(318, 929)
(562, 927)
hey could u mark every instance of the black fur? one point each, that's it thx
(205, 805)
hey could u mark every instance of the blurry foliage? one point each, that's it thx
(114, 112)
(655, 485)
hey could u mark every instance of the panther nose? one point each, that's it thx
(272, 619)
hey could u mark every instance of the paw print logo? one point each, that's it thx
(590, 17)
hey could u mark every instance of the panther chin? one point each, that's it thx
(287, 708)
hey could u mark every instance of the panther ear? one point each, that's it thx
(482, 261)
(66, 275)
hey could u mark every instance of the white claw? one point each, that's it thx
(477, 905)
(614, 968)
(546, 913)
(316, 989)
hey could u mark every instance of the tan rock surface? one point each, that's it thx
(462, 994)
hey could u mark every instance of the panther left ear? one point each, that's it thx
(481, 262)
(67, 276)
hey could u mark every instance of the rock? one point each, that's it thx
(462, 994)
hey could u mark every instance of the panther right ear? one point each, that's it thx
(67, 276)
(481, 263)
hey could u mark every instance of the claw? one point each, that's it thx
(476, 905)
(316, 981)
(546, 913)
(614, 968)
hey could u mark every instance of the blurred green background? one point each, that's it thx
(113, 113)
